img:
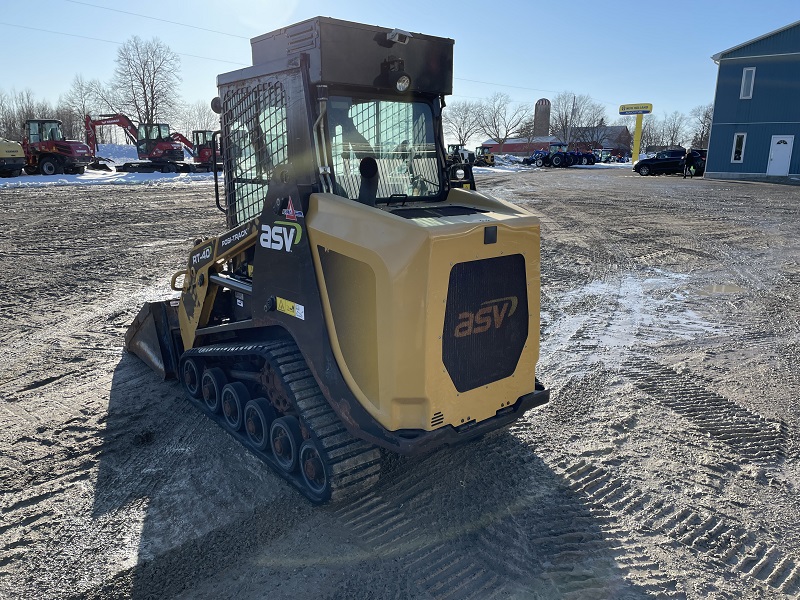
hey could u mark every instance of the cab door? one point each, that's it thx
(673, 162)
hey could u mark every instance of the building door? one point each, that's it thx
(780, 153)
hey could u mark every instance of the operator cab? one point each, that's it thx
(153, 131)
(355, 110)
(43, 131)
(153, 142)
(383, 149)
(202, 139)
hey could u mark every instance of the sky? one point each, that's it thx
(615, 52)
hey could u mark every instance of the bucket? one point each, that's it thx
(154, 336)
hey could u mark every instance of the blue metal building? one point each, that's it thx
(756, 123)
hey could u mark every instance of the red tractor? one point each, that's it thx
(153, 142)
(49, 153)
(202, 149)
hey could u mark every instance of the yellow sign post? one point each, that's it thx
(638, 110)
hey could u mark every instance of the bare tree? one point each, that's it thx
(591, 127)
(146, 78)
(528, 131)
(22, 107)
(16, 108)
(702, 116)
(78, 102)
(652, 133)
(197, 116)
(106, 98)
(71, 121)
(7, 117)
(675, 129)
(461, 120)
(499, 120)
(577, 118)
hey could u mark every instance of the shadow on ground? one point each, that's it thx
(208, 520)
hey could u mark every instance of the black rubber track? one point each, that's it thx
(352, 465)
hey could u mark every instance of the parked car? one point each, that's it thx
(669, 161)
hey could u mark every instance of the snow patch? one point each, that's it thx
(119, 154)
(613, 317)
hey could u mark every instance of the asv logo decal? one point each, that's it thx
(492, 314)
(281, 236)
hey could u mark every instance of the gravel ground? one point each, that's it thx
(665, 465)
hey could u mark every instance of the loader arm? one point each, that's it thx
(203, 279)
(179, 137)
(123, 121)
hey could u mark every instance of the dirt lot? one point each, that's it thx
(665, 466)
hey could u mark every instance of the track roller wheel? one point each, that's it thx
(285, 438)
(190, 377)
(314, 470)
(258, 417)
(234, 398)
(213, 382)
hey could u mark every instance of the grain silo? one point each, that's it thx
(541, 118)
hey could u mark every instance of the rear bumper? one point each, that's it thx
(77, 161)
(418, 441)
(11, 164)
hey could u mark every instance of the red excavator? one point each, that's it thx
(202, 149)
(49, 153)
(155, 147)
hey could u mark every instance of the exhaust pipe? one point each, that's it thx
(154, 336)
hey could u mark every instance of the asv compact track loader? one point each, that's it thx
(361, 298)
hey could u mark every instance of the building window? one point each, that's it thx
(737, 153)
(748, 79)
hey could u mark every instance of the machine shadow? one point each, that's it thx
(191, 505)
(179, 491)
(510, 521)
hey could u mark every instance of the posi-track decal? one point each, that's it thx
(280, 236)
(233, 237)
(291, 308)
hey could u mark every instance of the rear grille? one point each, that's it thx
(438, 419)
(486, 320)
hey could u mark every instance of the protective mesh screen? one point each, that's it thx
(255, 141)
(399, 135)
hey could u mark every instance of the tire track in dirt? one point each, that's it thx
(390, 524)
(753, 437)
(700, 530)
(571, 550)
